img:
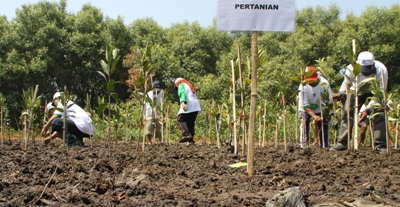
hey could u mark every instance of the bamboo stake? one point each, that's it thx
(264, 122)
(242, 111)
(397, 129)
(2, 126)
(144, 108)
(284, 121)
(385, 112)
(348, 116)
(25, 133)
(234, 104)
(126, 122)
(322, 124)
(296, 135)
(356, 104)
(65, 115)
(162, 118)
(371, 130)
(304, 142)
(276, 135)
(334, 116)
(44, 117)
(253, 104)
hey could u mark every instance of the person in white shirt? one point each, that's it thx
(152, 120)
(189, 108)
(370, 68)
(79, 123)
(309, 102)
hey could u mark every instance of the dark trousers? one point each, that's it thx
(323, 137)
(379, 122)
(186, 123)
(57, 125)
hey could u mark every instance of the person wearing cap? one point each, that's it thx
(153, 120)
(189, 108)
(79, 123)
(309, 101)
(370, 68)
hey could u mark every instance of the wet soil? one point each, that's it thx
(192, 175)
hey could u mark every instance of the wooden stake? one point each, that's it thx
(234, 104)
(253, 104)
(385, 112)
(355, 122)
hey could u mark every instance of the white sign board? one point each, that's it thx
(256, 15)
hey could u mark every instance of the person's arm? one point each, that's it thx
(182, 93)
(51, 137)
(346, 84)
(182, 96)
(313, 115)
(46, 127)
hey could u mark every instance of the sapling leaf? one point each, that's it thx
(364, 88)
(140, 80)
(356, 69)
(308, 74)
(295, 78)
(114, 65)
(110, 86)
(115, 53)
(101, 108)
(102, 74)
(105, 67)
(115, 96)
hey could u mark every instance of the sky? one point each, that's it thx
(168, 12)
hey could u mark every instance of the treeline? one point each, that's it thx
(45, 45)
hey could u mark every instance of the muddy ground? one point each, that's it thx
(192, 175)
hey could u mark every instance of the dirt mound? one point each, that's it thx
(192, 175)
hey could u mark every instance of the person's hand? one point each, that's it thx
(184, 107)
(317, 118)
(363, 115)
(44, 131)
(336, 96)
(47, 140)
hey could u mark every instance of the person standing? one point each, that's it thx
(189, 108)
(79, 123)
(370, 68)
(152, 113)
(310, 101)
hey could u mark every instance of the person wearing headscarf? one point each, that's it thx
(189, 108)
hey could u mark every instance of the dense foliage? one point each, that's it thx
(47, 46)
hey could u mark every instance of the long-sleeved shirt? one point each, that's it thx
(186, 95)
(309, 96)
(380, 70)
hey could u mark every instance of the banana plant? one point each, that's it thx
(109, 65)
